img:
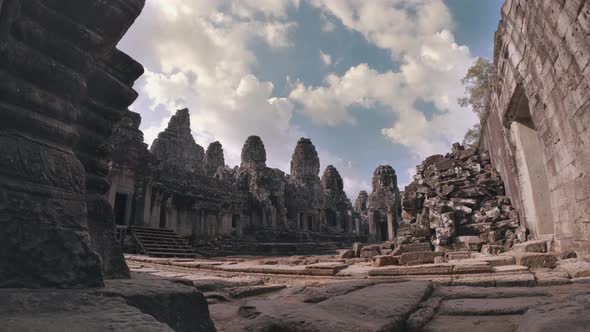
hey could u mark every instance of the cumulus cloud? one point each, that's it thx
(418, 36)
(197, 55)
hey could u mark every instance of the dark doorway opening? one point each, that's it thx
(384, 231)
(531, 169)
(163, 214)
(310, 223)
(235, 220)
(120, 208)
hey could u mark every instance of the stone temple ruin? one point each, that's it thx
(487, 237)
(176, 185)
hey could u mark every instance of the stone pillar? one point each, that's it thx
(109, 95)
(390, 225)
(372, 226)
(47, 51)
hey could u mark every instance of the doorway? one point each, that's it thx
(120, 208)
(530, 166)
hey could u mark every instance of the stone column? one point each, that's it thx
(372, 226)
(47, 50)
(390, 224)
(109, 95)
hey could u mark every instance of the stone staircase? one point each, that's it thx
(161, 242)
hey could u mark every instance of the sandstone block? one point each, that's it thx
(426, 269)
(491, 249)
(535, 260)
(383, 260)
(370, 251)
(419, 257)
(531, 246)
(346, 253)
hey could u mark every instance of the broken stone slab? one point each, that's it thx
(559, 316)
(531, 246)
(515, 280)
(462, 292)
(471, 267)
(490, 307)
(473, 243)
(574, 268)
(419, 257)
(548, 277)
(384, 260)
(370, 251)
(53, 310)
(241, 292)
(426, 269)
(344, 313)
(455, 255)
(319, 294)
(510, 269)
(326, 266)
(473, 280)
(346, 253)
(500, 323)
(493, 260)
(535, 260)
(491, 249)
(181, 307)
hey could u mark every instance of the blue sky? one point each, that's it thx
(370, 82)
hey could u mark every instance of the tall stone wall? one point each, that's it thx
(51, 55)
(537, 129)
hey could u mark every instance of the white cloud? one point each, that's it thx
(418, 36)
(197, 55)
(326, 58)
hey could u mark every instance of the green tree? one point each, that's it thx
(478, 83)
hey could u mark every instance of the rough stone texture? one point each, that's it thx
(213, 159)
(140, 304)
(109, 88)
(539, 117)
(52, 58)
(347, 312)
(384, 204)
(572, 315)
(181, 307)
(457, 202)
(61, 310)
(535, 260)
(383, 260)
(176, 146)
(336, 203)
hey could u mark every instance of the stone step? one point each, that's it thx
(531, 246)
(159, 236)
(172, 254)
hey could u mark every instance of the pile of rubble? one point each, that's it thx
(456, 202)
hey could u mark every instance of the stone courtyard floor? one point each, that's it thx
(324, 293)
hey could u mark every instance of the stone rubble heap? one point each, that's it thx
(457, 202)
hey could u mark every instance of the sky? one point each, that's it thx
(370, 82)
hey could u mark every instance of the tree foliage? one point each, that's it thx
(478, 84)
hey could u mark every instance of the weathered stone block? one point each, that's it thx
(531, 246)
(382, 260)
(535, 260)
(419, 257)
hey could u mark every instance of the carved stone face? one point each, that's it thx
(253, 152)
(384, 177)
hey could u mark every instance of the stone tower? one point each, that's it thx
(213, 159)
(176, 146)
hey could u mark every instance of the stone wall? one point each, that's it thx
(58, 67)
(208, 200)
(537, 129)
